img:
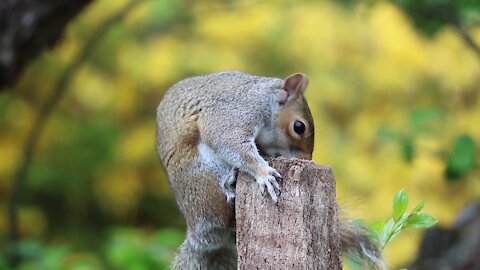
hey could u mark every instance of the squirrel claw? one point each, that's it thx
(262, 188)
(276, 174)
(272, 193)
(270, 183)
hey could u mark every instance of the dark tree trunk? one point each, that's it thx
(27, 27)
(456, 248)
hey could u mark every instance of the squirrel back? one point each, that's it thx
(228, 97)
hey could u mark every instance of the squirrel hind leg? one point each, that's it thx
(190, 259)
(210, 245)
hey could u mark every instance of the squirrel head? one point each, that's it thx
(293, 132)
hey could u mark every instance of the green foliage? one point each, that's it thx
(387, 230)
(400, 203)
(429, 16)
(423, 121)
(163, 12)
(131, 249)
(408, 149)
(384, 231)
(95, 167)
(3, 263)
(82, 146)
(36, 255)
(125, 248)
(462, 157)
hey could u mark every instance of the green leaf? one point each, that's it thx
(393, 235)
(462, 157)
(423, 120)
(407, 148)
(385, 133)
(377, 228)
(387, 231)
(419, 207)
(420, 220)
(400, 203)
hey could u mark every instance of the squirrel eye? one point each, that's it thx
(298, 127)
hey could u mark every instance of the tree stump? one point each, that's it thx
(300, 231)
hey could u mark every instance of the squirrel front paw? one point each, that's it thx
(269, 180)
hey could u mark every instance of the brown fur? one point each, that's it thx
(210, 127)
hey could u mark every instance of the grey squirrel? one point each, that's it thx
(210, 127)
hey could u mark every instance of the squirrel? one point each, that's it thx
(211, 127)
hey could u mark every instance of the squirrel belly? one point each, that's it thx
(210, 239)
(213, 126)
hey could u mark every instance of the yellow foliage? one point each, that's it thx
(125, 97)
(119, 192)
(8, 160)
(325, 44)
(239, 28)
(19, 118)
(455, 66)
(138, 144)
(368, 69)
(157, 184)
(155, 63)
(92, 90)
(399, 52)
(32, 221)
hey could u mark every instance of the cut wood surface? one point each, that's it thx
(300, 231)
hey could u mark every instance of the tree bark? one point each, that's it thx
(27, 27)
(300, 231)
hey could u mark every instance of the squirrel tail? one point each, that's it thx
(358, 246)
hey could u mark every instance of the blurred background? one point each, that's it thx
(394, 91)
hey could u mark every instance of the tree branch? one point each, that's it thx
(44, 112)
(27, 27)
(465, 35)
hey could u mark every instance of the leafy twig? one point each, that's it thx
(383, 232)
(387, 231)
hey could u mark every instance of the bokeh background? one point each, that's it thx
(394, 90)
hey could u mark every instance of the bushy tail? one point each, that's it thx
(358, 246)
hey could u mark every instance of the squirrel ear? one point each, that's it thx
(295, 85)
